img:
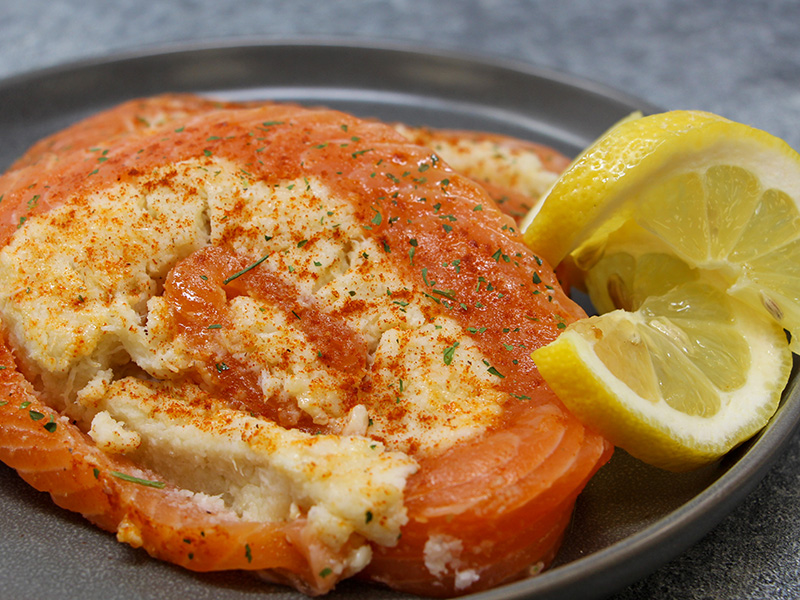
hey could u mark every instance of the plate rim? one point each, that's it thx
(155, 50)
(690, 521)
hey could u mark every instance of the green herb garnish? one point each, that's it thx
(139, 480)
(496, 373)
(246, 269)
(449, 353)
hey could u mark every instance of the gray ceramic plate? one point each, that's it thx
(630, 520)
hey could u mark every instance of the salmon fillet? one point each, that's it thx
(284, 340)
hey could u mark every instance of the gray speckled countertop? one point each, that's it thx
(739, 59)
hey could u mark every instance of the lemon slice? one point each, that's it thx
(677, 383)
(684, 227)
(720, 196)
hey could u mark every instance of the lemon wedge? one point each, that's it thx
(720, 196)
(677, 383)
(684, 228)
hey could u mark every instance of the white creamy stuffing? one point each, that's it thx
(442, 553)
(112, 436)
(261, 470)
(443, 556)
(506, 164)
(81, 294)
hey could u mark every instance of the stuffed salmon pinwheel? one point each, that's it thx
(289, 341)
